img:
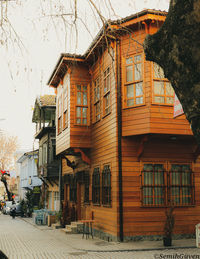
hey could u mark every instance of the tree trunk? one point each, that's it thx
(176, 48)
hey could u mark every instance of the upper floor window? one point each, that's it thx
(106, 185)
(66, 83)
(134, 94)
(59, 114)
(163, 92)
(81, 105)
(97, 108)
(106, 91)
(52, 150)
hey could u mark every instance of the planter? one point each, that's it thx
(167, 241)
(51, 220)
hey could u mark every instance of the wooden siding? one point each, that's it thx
(74, 135)
(149, 117)
(141, 221)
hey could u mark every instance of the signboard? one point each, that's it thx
(178, 109)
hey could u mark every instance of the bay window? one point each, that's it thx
(134, 94)
(81, 105)
(163, 92)
(97, 108)
(106, 91)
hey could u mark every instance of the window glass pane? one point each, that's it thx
(107, 100)
(78, 97)
(130, 102)
(78, 121)
(147, 195)
(138, 71)
(84, 98)
(139, 100)
(129, 74)
(158, 87)
(130, 91)
(78, 111)
(158, 71)
(138, 58)
(138, 89)
(84, 121)
(169, 89)
(159, 99)
(84, 112)
(78, 87)
(170, 100)
(129, 61)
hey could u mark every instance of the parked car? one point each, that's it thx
(7, 206)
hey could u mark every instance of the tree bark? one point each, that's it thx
(176, 48)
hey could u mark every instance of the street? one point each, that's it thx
(22, 240)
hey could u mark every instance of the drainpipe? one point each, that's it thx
(60, 182)
(119, 120)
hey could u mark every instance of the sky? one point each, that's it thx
(27, 61)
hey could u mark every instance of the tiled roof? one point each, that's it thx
(47, 100)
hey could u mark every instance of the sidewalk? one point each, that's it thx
(94, 245)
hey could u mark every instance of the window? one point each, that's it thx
(53, 150)
(106, 91)
(106, 185)
(163, 92)
(153, 185)
(65, 120)
(56, 201)
(59, 114)
(73, 189)
(97, 109)
(181, 185)
(162, 188)
(66, 83)
(44, 153)
(133, 81)
(40, 155)
(87, 184)
(81, 105)
(96, 186)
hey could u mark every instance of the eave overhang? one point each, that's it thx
(43, 131)
(113, 27)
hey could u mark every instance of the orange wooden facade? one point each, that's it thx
(149, 134)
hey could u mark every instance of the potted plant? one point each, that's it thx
(168, 227)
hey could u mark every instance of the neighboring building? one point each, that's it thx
(124, 157)
(48, 164)
(28, 174)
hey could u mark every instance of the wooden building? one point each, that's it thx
(125, 158)
(48, 164)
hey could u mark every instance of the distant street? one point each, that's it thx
(21, 240)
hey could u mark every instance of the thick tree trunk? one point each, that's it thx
(176, 48)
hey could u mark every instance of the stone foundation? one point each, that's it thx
(110, 238)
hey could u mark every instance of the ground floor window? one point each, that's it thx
(96, 186)
(161, 187)
(106, 185)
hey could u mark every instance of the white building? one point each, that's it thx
(28, 172)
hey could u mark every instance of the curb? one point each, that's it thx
(122, 250)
